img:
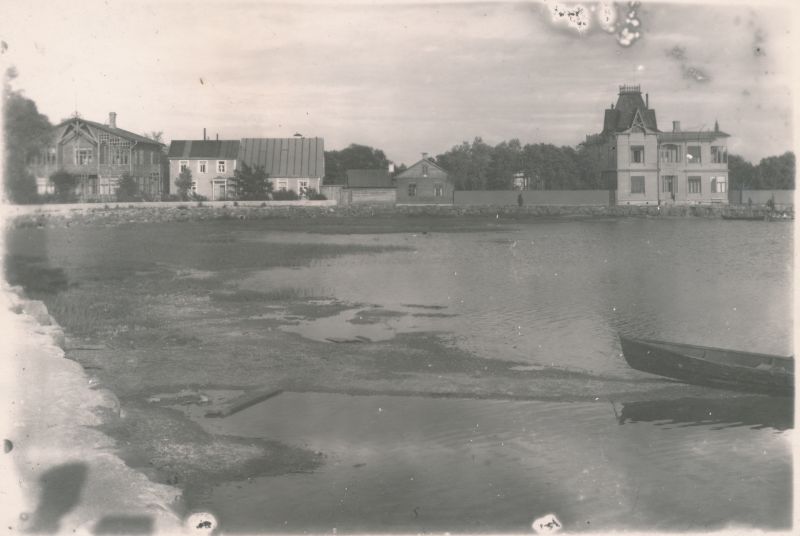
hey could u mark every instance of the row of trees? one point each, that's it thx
(771, 173)
(479, 166)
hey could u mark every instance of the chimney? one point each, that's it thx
(112, 119)
(716, 126)
(676, 126)
(424, 156)
(204, 134)
(647, 100)
(217, 136)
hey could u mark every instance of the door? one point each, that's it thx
(219, 191)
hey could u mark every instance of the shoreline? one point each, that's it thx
(68, 473)
(19, 216)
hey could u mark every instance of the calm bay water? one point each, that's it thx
(546, 294)
(557, 293)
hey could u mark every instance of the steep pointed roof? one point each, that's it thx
(630, 109)
(75, 123)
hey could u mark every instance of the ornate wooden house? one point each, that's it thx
(99, 155)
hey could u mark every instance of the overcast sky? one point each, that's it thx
(403, 77)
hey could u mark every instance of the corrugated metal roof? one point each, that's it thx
(285, 157)
(705, 135)
(368, 178)
(223, 149)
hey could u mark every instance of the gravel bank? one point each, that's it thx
(62, 474)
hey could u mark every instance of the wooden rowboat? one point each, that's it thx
(716, 367)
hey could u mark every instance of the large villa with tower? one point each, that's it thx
(642, 165)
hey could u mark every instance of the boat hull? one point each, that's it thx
(728, 369)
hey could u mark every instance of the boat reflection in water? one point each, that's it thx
(753, 411)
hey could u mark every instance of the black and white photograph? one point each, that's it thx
(397, 267)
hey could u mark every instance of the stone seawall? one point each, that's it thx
(65, 215)
(60, 473)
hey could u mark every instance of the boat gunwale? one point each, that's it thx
(715, 349)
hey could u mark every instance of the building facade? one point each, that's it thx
(424, 183)
(99, 155)
(211, 163)
(296, 164)
(641, 165)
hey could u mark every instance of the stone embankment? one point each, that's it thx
(60, 473)
(114, 214)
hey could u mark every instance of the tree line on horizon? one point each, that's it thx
(473, 165)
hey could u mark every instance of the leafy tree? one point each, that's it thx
(251, 183)
(742, 173)
(26, 133)
(468, 164)
(64, 184)
(776, 172)
(353, 157)
(155, 135)
(127, 188)
(184, 184)
(506, 161)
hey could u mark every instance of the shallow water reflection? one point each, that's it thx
(404, 464)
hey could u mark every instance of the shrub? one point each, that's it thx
(127, 189)
(184, 184)
(285, 195)
(64, 184)
(313, 195)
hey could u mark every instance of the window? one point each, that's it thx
(119, 155)
(637, 185)
(670, 154)
(154, 158)
(693, 154)
(695, 185)
(719, 154)
(424, 170)
(183, 165)
(202, 165)
(438, 190)
(412, 189)
(44, 186)
(83, 157)
(194, 187)
(719, 184)
(283, 185)
(220, 166)
(302, 187)
(668, 184)
(637, 154)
